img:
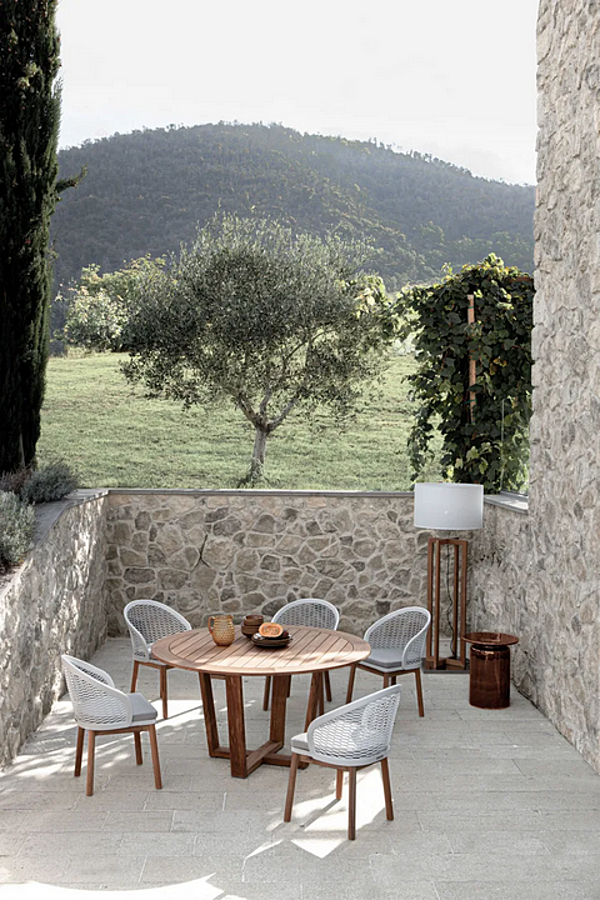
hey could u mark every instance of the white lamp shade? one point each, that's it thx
(449, 507)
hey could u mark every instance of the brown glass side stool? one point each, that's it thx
(489, 681)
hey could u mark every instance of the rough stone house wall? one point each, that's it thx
(565, 429)
(546, 570)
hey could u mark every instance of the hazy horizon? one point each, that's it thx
(454, 81)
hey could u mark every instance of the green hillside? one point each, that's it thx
(145, 193)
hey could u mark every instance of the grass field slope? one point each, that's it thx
(114, 437)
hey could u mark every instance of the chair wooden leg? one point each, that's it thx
(352, 805)
(267, 693)
(163, 691)
(387, 789)
(155, 757)
(89, 786)
(289, 800)
(137, 740)
(79, 751)
(350, 689)
(328, 687)
(134, 675)
(339, 784)
(419, 692)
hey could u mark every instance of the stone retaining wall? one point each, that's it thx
(242, 551)
(205, 552)
(52, 605)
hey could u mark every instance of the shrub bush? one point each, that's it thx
(15, 481)
(50, 483)
(17, 525)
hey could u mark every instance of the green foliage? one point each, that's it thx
(16, 480)
(53, 482)
(100, 305)
(17, 526)
(146, 192)
(484, 427)
(268, 321)
(29, 120)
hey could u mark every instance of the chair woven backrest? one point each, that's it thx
(97, 703)
(311, 612)
(404, 630)
(357, 734)
(148, 621)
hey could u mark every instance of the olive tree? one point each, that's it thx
(266, 320)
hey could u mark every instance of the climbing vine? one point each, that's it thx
(474, 377)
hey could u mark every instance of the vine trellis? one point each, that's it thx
(472, 338)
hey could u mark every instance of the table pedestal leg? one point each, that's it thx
(281, 684)
(210, 718)
(237, 726)
(314, 698)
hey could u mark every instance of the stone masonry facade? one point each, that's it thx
(564, 583)
(539, 575)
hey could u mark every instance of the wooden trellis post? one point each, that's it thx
(472, 371)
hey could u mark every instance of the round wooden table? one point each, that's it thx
(489, 678)
(312, 650)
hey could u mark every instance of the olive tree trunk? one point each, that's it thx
(258, 453)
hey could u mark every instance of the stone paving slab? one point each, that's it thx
(489, 805)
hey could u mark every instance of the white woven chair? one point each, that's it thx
(397, 646)
(148, 621)
(100, 708)
(348, 739)
(314, 614)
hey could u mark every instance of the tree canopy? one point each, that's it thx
(98, 307)
(269, 321)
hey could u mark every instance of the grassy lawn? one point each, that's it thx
(114, 437)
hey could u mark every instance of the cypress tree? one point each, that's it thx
(29, 125)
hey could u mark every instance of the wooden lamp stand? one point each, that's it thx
(457, 660)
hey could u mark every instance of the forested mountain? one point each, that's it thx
(145, 193)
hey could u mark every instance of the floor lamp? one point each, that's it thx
(447, 507)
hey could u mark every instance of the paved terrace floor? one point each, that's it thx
(489, 804)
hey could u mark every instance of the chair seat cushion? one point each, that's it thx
(300, 743)
(143, 711)
(385, 659)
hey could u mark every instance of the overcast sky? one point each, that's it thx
(455, 78)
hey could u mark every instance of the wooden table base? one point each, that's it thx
(242, 760)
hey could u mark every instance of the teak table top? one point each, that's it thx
(311, 650)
